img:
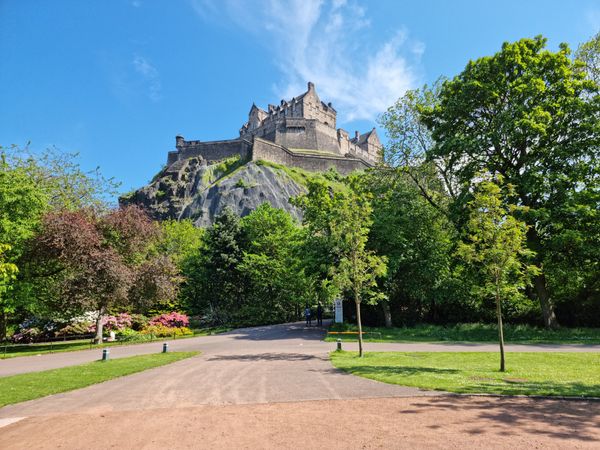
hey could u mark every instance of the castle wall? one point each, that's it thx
(297, 133)
(268, 151)
(214, 150)
(327, 138)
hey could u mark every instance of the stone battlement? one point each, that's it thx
(300, 132)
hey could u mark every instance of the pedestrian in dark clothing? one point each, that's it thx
(319, 315)
(307, 315)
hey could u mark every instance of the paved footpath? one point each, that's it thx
(285, 338)
(271, 366)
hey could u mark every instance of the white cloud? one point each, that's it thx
(593, 18)
(150, 77)
(331, 44)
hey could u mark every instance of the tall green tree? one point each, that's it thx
(418, 239)
(8, 273)
(532, 116)
(589, 54)
(32, 184)
(496, 244)
(341, 221)
(180, 240)
(215, 285)
(271, 264)
(410, 141)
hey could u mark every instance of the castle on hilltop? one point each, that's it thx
(300, 132)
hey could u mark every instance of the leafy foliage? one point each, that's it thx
(103, 261)
(496, 243)
(532, 116)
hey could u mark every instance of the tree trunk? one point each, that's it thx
(539, 282)
(99, 326)
(500, 331)
(2, 326)
(359, 322)
(387, 313)
(541, 289)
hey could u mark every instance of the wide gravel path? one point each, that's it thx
(274, 387)
(279, 363)
(285, 339)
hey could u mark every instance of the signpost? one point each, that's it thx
(339, 310)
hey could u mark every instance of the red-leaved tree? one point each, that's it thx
(105, 260)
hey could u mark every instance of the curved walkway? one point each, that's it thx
(284, 338)
(280, 363)
(266, 386)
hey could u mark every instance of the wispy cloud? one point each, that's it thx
(150, 77)
(593, 18)
(330, 43)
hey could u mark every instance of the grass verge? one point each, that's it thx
(29, 386)
(470, 332)
(14, 351)
(551, 374)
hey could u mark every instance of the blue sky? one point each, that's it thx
(116, 80)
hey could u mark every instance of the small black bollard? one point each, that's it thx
(105, 354)
(339, 345)
(165, 347)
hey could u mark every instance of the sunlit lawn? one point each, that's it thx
(562, 374)
(28, 386)
(471, 332)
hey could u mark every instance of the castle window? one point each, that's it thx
(296, 129)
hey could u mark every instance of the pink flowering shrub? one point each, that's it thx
(114, 323)
(171, 320)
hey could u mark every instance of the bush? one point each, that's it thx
(35, 329)
(27, 335)
(139, 322)
(128, 334)
(74, 329)
(113, 323)
(171, 320)
(163, 331)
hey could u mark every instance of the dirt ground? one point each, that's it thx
(418, 422)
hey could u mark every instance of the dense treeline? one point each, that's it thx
(488, 200)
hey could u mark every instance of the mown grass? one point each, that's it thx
(14, 351)
(470, 332)
(29, 386)
(302, 177)
(548, 374)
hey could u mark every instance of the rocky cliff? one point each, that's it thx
(194, 189)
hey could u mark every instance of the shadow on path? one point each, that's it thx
(296, 330)
(267, 357)
(562, 419)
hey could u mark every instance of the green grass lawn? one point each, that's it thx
(562, 374)
(13, 351)
(471, 332)
(29, 386)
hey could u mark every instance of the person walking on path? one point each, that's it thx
(319, 315)
(307, 315)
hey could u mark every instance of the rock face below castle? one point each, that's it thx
(300, 132)
(268, 162)
(200, 191)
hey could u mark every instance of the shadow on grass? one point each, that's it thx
(481, 385)
(561, 419)
(378, 371)
(560, 389)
